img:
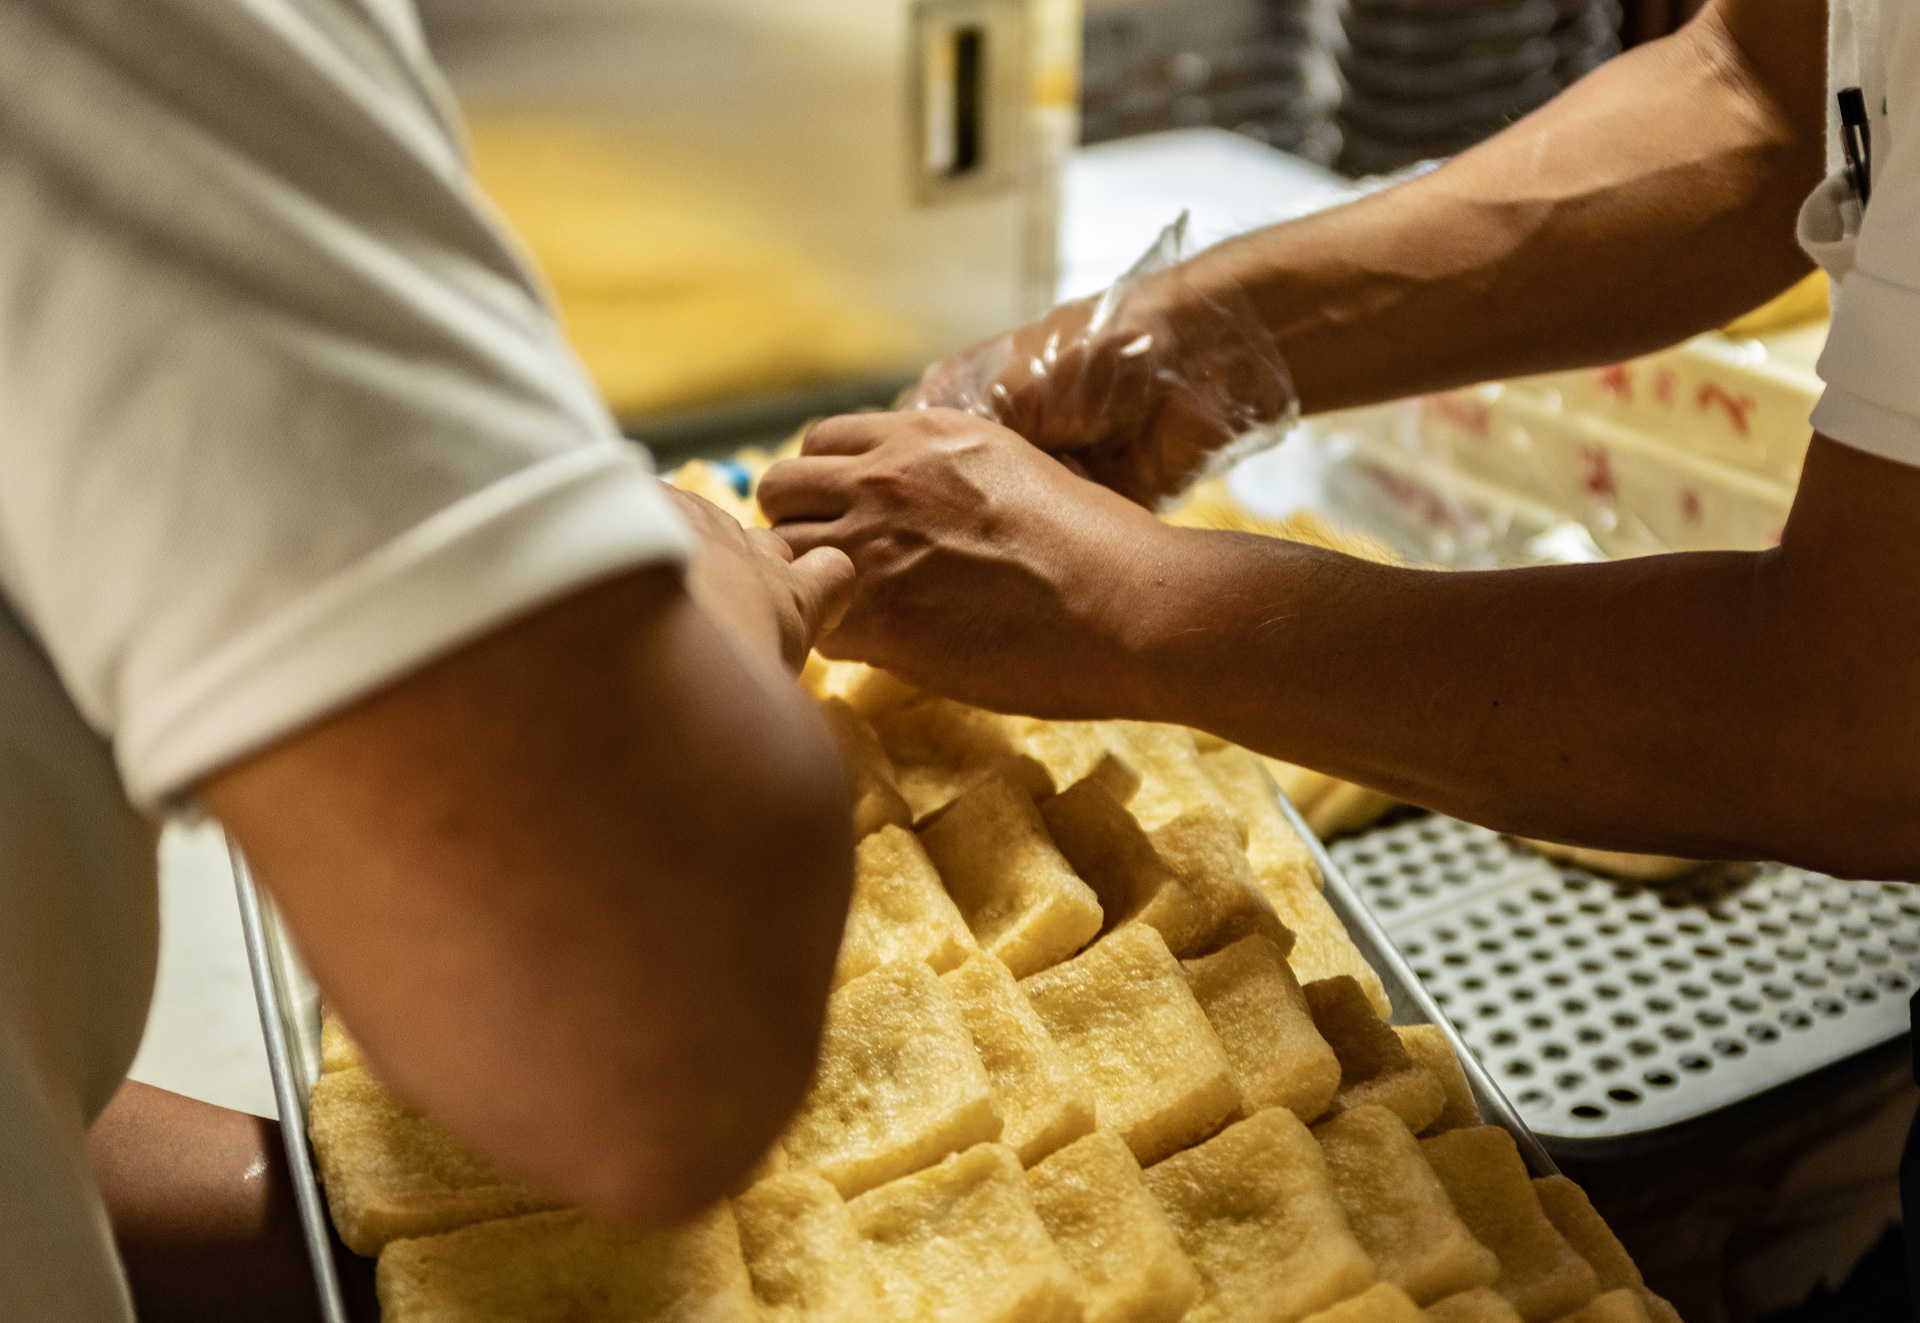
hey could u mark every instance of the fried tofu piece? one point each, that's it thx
(1204, 851)
(1022, 900)
(1481, 1306)
(1123, 1014)
(391, 1173)
(1321, 947)
(1112, 854)
(1347, 807)
(1398, 1208)
(1382, 1303)
(1256, 1007)
(802, 1252)
(772, 1163)
(1621, 1306)
(1172, 781)
(1094, 1204)
(962, 1243)
(942, 749)
(1256, 1212)
(1374, 1065)
(870, 780)
(899, 1084)
(338, 1051)
(1071, 751)
(1574, 1216)
(1039, 1096)
(1427, 1046)
(1274, 848)
(1541, 1275)
(900, 910)
(565, 1266)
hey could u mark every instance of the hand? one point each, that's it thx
(752, 582)
(1143, 387)
(987, 571)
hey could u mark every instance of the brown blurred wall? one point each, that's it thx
(1644, 20)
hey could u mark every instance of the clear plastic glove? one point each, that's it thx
(1147, 389)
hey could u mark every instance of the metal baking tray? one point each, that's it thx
(290, 1018)
(1620, 1012)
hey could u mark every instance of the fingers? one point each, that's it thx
(807, 536)
(822, 591)
(808, 488)
(849, 434)
(766, 541)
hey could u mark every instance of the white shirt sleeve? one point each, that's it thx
(282, 415)
(1871, 363)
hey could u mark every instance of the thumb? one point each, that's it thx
(822, 591)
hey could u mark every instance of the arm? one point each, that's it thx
(578, 886)
(1745, 705)
(1655, 198)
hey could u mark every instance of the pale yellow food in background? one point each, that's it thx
(1574, 1216)
(899, 910)
(1126, 1019)
(1274, 849)
(1094, 1203)
(1482, 1306)
(1374, 1065)
(1037, 1092)
(1621, 1306)
(1398, 1209)
(338, 1051)
(898, 1086)
(1428, 1047)
(961, 1242)
(1382, 1303)
(1206, 853)
(1541, 1275)
(391, 1173)
(566, 1267)
(1254, 1003)
(871, 783)
(1321, 947)
(1015, 889)
(1172, 781)
(803, 1253)
(1256, 1212)
(1110, 851)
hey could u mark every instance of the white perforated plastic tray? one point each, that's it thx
(1608, 1010)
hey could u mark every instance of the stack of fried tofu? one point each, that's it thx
(1098, 1051)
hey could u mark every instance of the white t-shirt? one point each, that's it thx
(1872, 360)
(282, 415)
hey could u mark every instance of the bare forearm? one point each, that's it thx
(1710, 705)
(1654, 199)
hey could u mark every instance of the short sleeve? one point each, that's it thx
(282, 415)
(1871, 363)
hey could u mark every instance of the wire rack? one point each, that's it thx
(1609, 1010)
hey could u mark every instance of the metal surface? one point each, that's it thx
(1616, 1010)
(290, 1020)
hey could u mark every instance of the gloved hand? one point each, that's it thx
(1156, 383)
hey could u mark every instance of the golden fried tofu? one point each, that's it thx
(900, 910)
(898, 1086)
(1204, 851)
(1015, 889)
(1347, 807)
(1574, 1216)
(942, 749)
(802, 1252)
(1118, 1242)
(772, 1163)
(1041, 1099)
(1428, 1048)
(1321, 947)
(1398, 1208)
(1256, 1212)
(1127, 1021)
(1071, 751)
(1172, 781)
(1112, 854)
(1255, 1005)
(1374, 1065)
(931, 789)
(566, 1266)
(1383, 1303)
(962, 1243)
(870, 780)
(391, 1173)
(1274, 848)
(1541, 1275)
(1481, 1306)
(338, 1051)
(1621, 1306)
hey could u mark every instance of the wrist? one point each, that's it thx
(1176, 625)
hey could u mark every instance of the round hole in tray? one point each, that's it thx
(1506, 969)
(1777, 991)
(1892, 981)
(1791, 952)
(1607, 992)
(1660, 1079)
(1588, 1111)
(1472, 983)
(1413, 868)
(1626, 954)
(1571, 1079)
(1541, 954)
(1642, 978)
(1490, 945)
(1539, 1023)
(1557, 920)
(1534, 1098)
(1624, 1019)
(1727, 978)
(1522, 994)
(1487, 1010)
(1445, 935)
(1829, 1005)
(1873, 955)
(1761, 965)
(1593, 966)
(1607, 1065)
(1622, 1094)
(1861, 992)
(1503, 1038)
(1741, 940)
(1823, 943)
(1589, 1035)
(1556, 979)
(1795, 1018)
(1643, 1047)
(1709, 1017)
(1555, 1051)
(1693, 991)
(1745, 1005)
(1519, 1068)
(1455, 959)
(1575, 881)
(1607, 929)
(1729, 1047)
(1675, 1033)
(1811, 978)
(1842, 966)
(1695, 1062)
(1691, 928)
(1574, 1006)
(1362, 857)
(1676, 964)
(1659, 1006)
(1762, 1033)
(1659, 939)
